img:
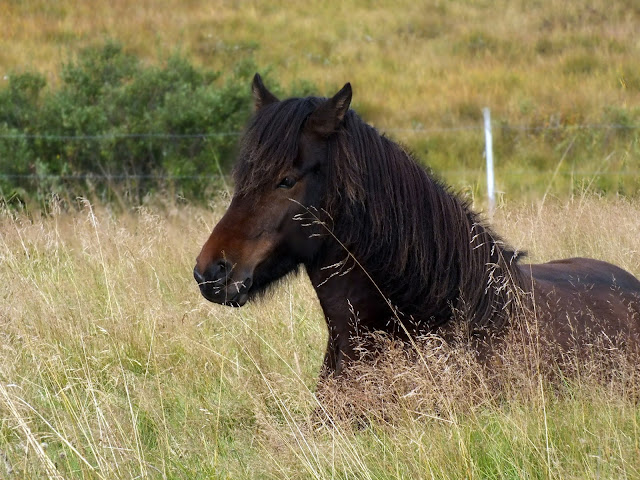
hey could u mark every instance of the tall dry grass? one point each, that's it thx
(113, 366)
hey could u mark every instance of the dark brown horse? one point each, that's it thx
(386, 246)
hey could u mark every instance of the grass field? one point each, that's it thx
(410, 62)
(113, 366)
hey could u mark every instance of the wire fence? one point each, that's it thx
(520, 128)
(118, 136)
(415, 130)
(497, 126)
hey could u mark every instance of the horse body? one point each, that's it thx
(387, 247)
(578, 300)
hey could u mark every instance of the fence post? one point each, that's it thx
(488, 152)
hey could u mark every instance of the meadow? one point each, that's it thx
(411, 62)
(112, 365)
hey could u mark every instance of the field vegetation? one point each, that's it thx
(113, 366)
(111, 363)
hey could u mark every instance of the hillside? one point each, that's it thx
(561, 78)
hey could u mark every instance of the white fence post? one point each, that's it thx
(488, 152)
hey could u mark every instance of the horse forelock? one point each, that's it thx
(270, 142)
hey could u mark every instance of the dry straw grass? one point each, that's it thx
(114, 367)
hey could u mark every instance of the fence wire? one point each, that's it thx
(497, 126)
(119, 136)
(417, 130)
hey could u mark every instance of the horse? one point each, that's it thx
(387, 247)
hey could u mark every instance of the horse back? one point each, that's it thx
(578, 299)
(585, 271)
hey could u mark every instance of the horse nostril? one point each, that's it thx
(215, 275)
(218, 273)
(197, 275)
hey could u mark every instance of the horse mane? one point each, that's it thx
(427, 251)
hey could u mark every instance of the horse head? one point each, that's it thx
(281, 172)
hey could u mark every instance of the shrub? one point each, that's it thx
(116, 125)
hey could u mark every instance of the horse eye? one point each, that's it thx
(287, 182)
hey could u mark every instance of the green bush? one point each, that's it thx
(116, 126)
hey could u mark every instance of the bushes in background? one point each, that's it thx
(89, 135)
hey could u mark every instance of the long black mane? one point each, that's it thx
(428, 252)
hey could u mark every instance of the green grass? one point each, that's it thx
(409, 62)
(115, 367)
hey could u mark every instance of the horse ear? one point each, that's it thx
(261, 95)
(326, 118)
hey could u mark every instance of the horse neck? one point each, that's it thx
(466, 267)
(430, 255)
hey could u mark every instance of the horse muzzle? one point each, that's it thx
(221, 283)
